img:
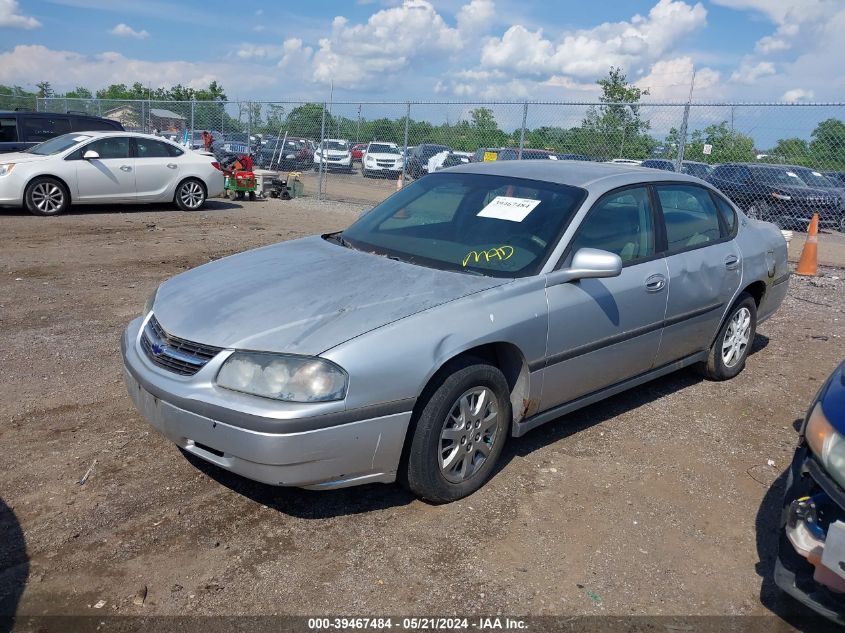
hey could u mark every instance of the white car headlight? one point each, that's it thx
(781, 196)
(370, 159)
(826, 443)
(283, 377)
(6, 169)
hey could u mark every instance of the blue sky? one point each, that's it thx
(449, 50)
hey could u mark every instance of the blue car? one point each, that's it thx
(811, 552)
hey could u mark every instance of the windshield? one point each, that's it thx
(492, 225)
(57, 144)
(772, 176)
(815, 178)
(337, 145)
(377, 148)
(430, 150)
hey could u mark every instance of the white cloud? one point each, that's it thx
(11, 17)
(259, 51)
(124, 30)
(590, 52)
(797, 94)
(476, 17)
(66, 69)
(670, 80)
(748, 73)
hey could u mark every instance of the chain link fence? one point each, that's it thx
(780, 162)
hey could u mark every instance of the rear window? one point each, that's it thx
(8, 130)
(148, 148)
(37, 129)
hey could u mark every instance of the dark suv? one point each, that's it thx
(418, 160)
(20, 130)
(777, 194)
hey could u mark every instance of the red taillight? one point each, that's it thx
(216, 166)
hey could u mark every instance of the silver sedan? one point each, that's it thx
(471, 306)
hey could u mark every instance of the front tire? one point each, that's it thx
(190, 195)
(730, 349)
(460, 432)
(46, 196)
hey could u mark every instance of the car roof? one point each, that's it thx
(576, 173)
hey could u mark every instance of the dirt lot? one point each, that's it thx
(658, 501)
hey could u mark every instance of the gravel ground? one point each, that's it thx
(656, 501)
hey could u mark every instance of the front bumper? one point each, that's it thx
(12, 187)
(801, 213)
(285, 446)
(794, 573)
(331, 163)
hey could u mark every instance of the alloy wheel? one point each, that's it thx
(737, 335)
(468, 434)
(47, 197)
(191, 195)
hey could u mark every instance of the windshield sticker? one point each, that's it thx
(506, 208)
(792, 174)
(501, 253)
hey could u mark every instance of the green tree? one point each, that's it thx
(727, 145)
(827, 144)
(79, 92)
(792, 150)
(305, 120)
(483, 130)
(45, 89)
(616, 127)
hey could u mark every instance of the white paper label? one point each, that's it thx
(707, 149)
(505, 208)
(792, 174)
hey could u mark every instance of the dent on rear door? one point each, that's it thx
(702, 283)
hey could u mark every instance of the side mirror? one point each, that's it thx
(90, 155)
(588, 263)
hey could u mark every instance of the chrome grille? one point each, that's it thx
(172, 353)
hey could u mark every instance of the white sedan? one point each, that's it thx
(106, 168)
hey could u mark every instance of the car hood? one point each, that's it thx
(798, 191)
(21, 157)
(304, 296)
(384, 156)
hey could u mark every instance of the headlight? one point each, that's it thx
(826, 443)
(6, 169)
(148, 305)
(370, 159)
(781, 196)
(283, 377)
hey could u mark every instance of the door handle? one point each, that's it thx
(731, 262)
(172, 165)
(655, 283)
(125, 168)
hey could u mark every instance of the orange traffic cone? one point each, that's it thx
(399, 182)
(808, 264)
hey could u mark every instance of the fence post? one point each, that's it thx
(66, 109)
(191, 138)
(322, 153)
(682, 141)
(99, 108)
(522, 129)
(405, 147)
(37, 104)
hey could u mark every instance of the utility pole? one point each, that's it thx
(682, 141)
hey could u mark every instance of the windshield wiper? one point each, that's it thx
(338, 237)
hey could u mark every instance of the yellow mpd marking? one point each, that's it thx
(500, 252)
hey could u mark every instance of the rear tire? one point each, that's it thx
(730, 349)
(190, 195)
(459, 433)
(46, 196)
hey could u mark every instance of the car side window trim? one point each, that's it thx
(728, 232)
(567, 253)
(722, 238)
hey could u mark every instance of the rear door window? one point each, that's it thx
(690, 215)
(148, 148)
(43, 128)
(8, 129)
